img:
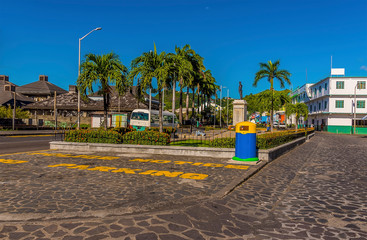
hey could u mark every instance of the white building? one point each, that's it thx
(331, 104)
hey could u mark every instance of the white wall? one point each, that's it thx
(340, 121)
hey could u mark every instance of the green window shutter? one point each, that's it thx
(340, 85)
(339, 103)
(361, 104)
(361, 84)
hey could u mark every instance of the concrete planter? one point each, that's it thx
(149, 149)
(269, 155)
(265, 155)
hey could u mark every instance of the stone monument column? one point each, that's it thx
(239, 111)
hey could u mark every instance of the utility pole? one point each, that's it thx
(227, 104)
(55, 111)
(14, 109)
(220, 108)
(355, 109)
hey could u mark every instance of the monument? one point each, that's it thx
(239, 108)
(239, 111)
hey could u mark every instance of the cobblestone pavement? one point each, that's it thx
(317, 191)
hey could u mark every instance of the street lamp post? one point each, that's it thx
(220, 108)
(227, 103)
(80, 39)
(355, 109)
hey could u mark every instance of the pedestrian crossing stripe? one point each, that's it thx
(195, 176)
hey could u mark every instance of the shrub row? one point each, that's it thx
(93, 136)
(223, 143)
(264, 141)
(146, 138)
(168, 130)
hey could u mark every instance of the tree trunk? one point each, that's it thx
(272, 105)
(297, 119)
(187, 103)
(193, 104)
(181, 93)
(105, 107)
(198, 93)
(174, 96)
(160, 112)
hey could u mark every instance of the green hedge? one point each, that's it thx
(146, 138)
(223, 143)
(168, 130)
(93, 136)
(123, 130)
(263, 141)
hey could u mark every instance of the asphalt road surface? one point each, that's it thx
(24, 143)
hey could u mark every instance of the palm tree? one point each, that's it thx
(270, 71)
(180, 68)
(148, 66)
(197, 63)
(208, 87)
(299, 109)
(103, 70)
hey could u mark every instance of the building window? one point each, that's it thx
(360, 123)
(314, 108)
(339, 103)
(310, 108)
(325, 86)
(319, 106)
(319, 89)
(361, 103)
(325, 105)
(340, 85)
(315, 92)
(361, 84)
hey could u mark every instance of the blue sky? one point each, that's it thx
(234, 36)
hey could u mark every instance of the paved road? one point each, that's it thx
(317, 191)
(22, 143)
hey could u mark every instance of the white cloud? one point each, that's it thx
(364, 68)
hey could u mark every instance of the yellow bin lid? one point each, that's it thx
(245, 127)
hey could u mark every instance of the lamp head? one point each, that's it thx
(98, 28)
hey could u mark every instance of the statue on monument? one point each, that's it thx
(240, 90)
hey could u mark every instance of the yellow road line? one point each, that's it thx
(196, 176)
(8, 154)
(218, 165)
(22, 136)
(11, 161)
(74, 156)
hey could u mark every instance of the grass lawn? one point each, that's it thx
(191, 143)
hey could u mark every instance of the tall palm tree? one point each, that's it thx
(148, 66)
(101, 71)
(208, 88)
(197, 63)
(270, 71)
(180, 68)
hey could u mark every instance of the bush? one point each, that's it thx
(212, 128)
(93, 136)
(168, 130)
(270, 140)
(123, 130)
(223, 143)
(146, 138)
(263, 141)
